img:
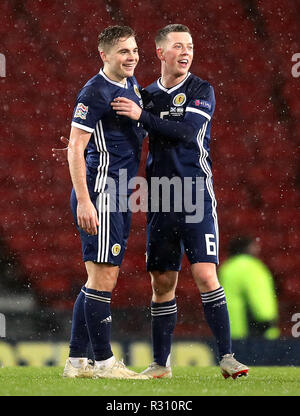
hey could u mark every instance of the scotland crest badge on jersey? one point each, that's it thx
(81, 111)
(179, 99)
(137, 91)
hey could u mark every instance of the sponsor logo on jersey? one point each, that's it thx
(81, 111)
(203, 103)
(137, 91)
(179, 99)
(176, 111)
(116, 248)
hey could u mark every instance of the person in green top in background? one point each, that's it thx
(249, 287)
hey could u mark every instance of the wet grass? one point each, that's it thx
(186, 381)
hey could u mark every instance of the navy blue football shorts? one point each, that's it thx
(109, 245)
(169, 236)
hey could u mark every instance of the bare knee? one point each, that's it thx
(205, 276)
(163, 285)
(102, 277)
(207, 283)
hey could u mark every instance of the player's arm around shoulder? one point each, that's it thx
(87, 217)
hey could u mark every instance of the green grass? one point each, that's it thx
(186, 381)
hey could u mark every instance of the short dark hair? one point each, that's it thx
(162, 33)
(239, 245)
(110, 36)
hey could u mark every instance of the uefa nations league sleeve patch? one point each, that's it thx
(81, 111)
(203, 103)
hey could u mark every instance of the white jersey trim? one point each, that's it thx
(103, 158)
(195, 110)
(82, 127)
(118, 84)
(103, 205)
(205, 167)
(170, 90)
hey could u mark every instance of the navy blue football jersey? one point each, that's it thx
(116, 141)
(179, 141)
(178, 121)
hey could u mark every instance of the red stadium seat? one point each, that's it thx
(253, 150)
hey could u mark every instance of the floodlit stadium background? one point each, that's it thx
(246, 49)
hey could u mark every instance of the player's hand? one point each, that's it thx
(125, 107)
(61, 154)
(87, 217)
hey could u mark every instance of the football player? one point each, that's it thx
(101, 144)
(178, 112)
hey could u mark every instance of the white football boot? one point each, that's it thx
(230, 367)
(158, 371)
(117, 370)
(84, 370)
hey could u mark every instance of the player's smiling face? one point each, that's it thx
(177, 53)
(121, 59)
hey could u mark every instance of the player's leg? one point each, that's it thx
(201, 245)
(102, 279)
(102, 276)
(105, 256)
(216, 314)
(214, 304)
(78, 354)
(102, 254)
(163, 322)
(163, 314)
(164, 253)
(77, 364)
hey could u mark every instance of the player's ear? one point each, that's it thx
(102, 55)
(160, 54)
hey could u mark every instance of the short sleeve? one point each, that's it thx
(89, 108)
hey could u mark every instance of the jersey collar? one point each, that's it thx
(113, 82)
(170, 90)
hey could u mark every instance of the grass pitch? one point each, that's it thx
(186, 381)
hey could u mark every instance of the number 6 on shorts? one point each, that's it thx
(211, 249)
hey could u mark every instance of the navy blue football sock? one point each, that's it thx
(98, 318)
(216, 314)
(164, 317)
(79, 334)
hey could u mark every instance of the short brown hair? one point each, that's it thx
(162, 33)
(112, 34)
